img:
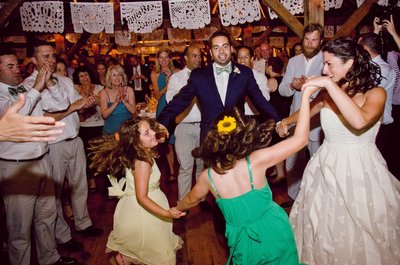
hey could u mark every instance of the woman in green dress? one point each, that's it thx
(237, 153)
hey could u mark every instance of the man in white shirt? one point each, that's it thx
(26, 182)
(69, 161)
(372, 43)
(245, 57)
(309, 63)
(187, 132)
(265, 52)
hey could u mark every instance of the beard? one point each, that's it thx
(310, 52)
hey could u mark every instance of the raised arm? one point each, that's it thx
(129, 100)
(269, 156)
(20, 128)
(360, 112)
(316, 105)
(142, 176)
(198, 192)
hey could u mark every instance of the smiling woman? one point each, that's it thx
(351, 105)
(117, 100)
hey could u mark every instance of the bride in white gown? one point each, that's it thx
(348, 208)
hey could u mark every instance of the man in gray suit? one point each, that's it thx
(309, 63)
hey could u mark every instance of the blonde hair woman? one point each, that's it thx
(159, 80)
(117, 100)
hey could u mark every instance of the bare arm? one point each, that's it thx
(104, 109)
(267, 157)
(389, 25)
(157, 93)
(130, 103)
(142, 177)
(198, 192)
(315, 107)
(359, 116)
(20, 128)
(76, 106)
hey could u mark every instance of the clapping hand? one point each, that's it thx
(298, 82)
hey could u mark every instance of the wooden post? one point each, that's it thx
(314, 12)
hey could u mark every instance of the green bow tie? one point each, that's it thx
(16, 90)
(226, 68)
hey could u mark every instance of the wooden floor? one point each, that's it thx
(203, 246)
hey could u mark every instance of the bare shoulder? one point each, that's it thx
(376, 95)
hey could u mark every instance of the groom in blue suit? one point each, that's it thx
(220, 86)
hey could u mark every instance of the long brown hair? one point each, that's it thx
(113, 153)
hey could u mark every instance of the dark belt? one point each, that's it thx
(23, 160)
(70, 139)
(195, 122)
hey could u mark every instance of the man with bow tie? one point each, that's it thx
(220, 86)
(26, 183)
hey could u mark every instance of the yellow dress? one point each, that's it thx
(137, 234)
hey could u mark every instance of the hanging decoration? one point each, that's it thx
(239, 11)
(328, 4)
(142, 17)
(329, 31)
(42, 16)
(156, 35)
(92, 17)
(189, 14)
(178, 35)
(125, 38)
(204, 33)
(293, 6)
(380, 2)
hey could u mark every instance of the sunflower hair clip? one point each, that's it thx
(226, 125)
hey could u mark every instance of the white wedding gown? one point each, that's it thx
(348, 208)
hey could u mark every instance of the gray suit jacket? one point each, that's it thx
(296, 68)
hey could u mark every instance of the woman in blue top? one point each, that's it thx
(117, 100)
(159, 81)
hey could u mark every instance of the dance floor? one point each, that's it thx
(203, 245)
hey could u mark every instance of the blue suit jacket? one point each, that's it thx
(201, 84)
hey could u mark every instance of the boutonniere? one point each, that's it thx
(236, 70)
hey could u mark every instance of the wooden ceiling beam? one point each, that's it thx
(355, 19)
(291, 21)
(7, 11)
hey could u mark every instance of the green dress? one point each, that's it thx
(257, 229)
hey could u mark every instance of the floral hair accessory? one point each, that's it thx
(116, 136)
(226, 125)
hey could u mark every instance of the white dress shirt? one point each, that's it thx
(71, 128)
(261, 80)
(175, 84)
(222, 82)
(50, 99)
(387, 82)
(259, 65)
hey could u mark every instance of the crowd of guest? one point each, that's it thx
(330, 112)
